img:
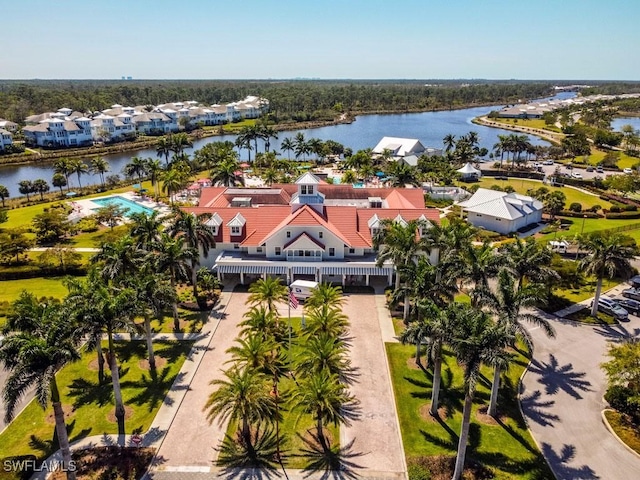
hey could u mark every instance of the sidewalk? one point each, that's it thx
(163, 420)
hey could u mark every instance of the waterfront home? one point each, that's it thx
(8, 125)
(59, 131)
(501, 212)
(6, 139)
(106, 128)
(154, 123)
(309, 230)
(406, 150)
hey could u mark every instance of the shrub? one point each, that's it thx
(595, 208)
(622, 215)
(497, 188)
(618, 397)
(87, 225)
(575, 207)
(509, 189)
(630, 208)
(615, 209)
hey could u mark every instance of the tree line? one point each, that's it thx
(289, 100)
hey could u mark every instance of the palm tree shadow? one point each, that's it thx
(334, 461)
(559, 463)
(616, 333)
(154, 388)
(88, 392)
(555, 377)
(533, 407)
(240, 461)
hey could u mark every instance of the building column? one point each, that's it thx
(389, 279)
(219, 276)
(366, 277)
(319, 273)
(344, 280)
(264, 275)
(242, 278)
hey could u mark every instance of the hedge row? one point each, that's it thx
(622, 215)
(618, 199)
(34, 271)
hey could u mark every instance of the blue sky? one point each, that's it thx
(494, 39)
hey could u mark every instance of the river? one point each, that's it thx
(429, 127)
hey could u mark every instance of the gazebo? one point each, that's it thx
(469, 172)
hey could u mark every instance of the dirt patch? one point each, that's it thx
(110, 462)
(425, 413)
(93, 364)
(483, 417)
(111, 416)
(68, 411)
(160, 362)
(441, 468)
(411, 363)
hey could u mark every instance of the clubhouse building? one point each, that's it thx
(309, 230)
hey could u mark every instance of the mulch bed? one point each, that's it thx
(68, 412)
(111, 416)
(103, 463)
(160, 362)
(483, 417)
(411, 363)
(426, 415)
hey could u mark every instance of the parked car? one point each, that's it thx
(589, 168)
(576, 175)
(635, 281)
(630, 305)
(611, 307)
(548, 162)
(627, 170)
(568, 166)
(599, 169)
(631, 293)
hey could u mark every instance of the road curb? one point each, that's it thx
(613, 432)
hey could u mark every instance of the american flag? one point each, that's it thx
(293, 301)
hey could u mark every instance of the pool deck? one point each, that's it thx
(84, 208)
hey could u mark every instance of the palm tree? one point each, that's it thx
(402, 174)
(40, 186)
(324, 352)
(79, 168)
(328, 320)
(154, 169)
(58, 180)
(119, 259)
(38, 344)
(99, 166)
(227, 173)
(153, 296)
(476, 340)
(243, 140)
(327, 399)
(529, 260)
(287, 145)
(349, 177)
(449, 142)
(325, 294)
(164, 148)
(609, 255)
(480, 264)
(146, 228)
(198, 236)
(63, 166)
(507, 304)
(301, 146)
(260, 319)
(172, 256)
(397, 241)
(254, 351)
(244, 397)
(179, 142)
(136, 167)
(270, 176)
(4, 194)
(172, 181)
(268, 292)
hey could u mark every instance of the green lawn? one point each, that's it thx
(588, 290)
(505, 447)
(39, 286)
(584, 316)
(523, 185)
(528, 122)
(89, 404)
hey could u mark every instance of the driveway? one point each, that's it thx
(562, 399)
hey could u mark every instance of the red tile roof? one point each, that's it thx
(349, 223)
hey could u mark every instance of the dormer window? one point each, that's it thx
(306, 189)
(235, 230)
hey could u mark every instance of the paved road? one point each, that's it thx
(23, 403)
(562, 400)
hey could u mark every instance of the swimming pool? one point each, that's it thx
(126, 204)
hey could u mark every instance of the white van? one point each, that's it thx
(303, 288)
(559, 247)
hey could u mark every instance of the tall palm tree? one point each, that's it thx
(326, 320)
(153, 296)
(270, 176)
(173, 180)
(268, 292)
(243, 140)
(63, 166)
(481, 264)
(172, 257)
(397, 241)
(301, 146)
(79, 168)
(38, 343)
(288, 146)
(261, 320)
(449, 142)
(609, 255)
(243, 397)
(137, 167)
(197, 235)
(4, 194)
(254, 351)
(476, 340)
(327, 399)
(100, 166)
(164, 148)
(324, 352)
(402, 174)
(179, 142)
(507, 304)
(154, 169)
